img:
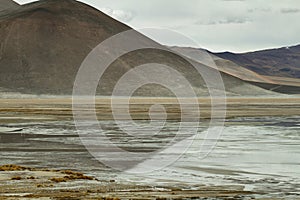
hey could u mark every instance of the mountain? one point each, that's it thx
(281, 62)
(281, 84)
(43, 44)
(225, 66)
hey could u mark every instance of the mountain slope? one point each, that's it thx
(272, 83)
(8, 5)
(282, 62)
(226, 66)
(43, 44)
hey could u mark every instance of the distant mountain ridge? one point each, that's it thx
(281, 62)
(281, 84)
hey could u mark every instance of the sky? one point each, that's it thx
(217, 25)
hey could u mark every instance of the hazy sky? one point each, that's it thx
(218, 25)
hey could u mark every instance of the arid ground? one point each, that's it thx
(61, 108)
(58, 181)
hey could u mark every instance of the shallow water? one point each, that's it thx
(260, 154)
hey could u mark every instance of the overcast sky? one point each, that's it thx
(217, 25)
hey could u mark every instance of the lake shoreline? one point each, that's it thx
(32, 183)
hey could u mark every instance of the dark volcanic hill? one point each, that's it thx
(43, 44)
(282, 62)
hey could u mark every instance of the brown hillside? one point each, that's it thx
(281, 62)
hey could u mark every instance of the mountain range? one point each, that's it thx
(282, 62)
(43, 44)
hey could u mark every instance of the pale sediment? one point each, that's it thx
(61, 108)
